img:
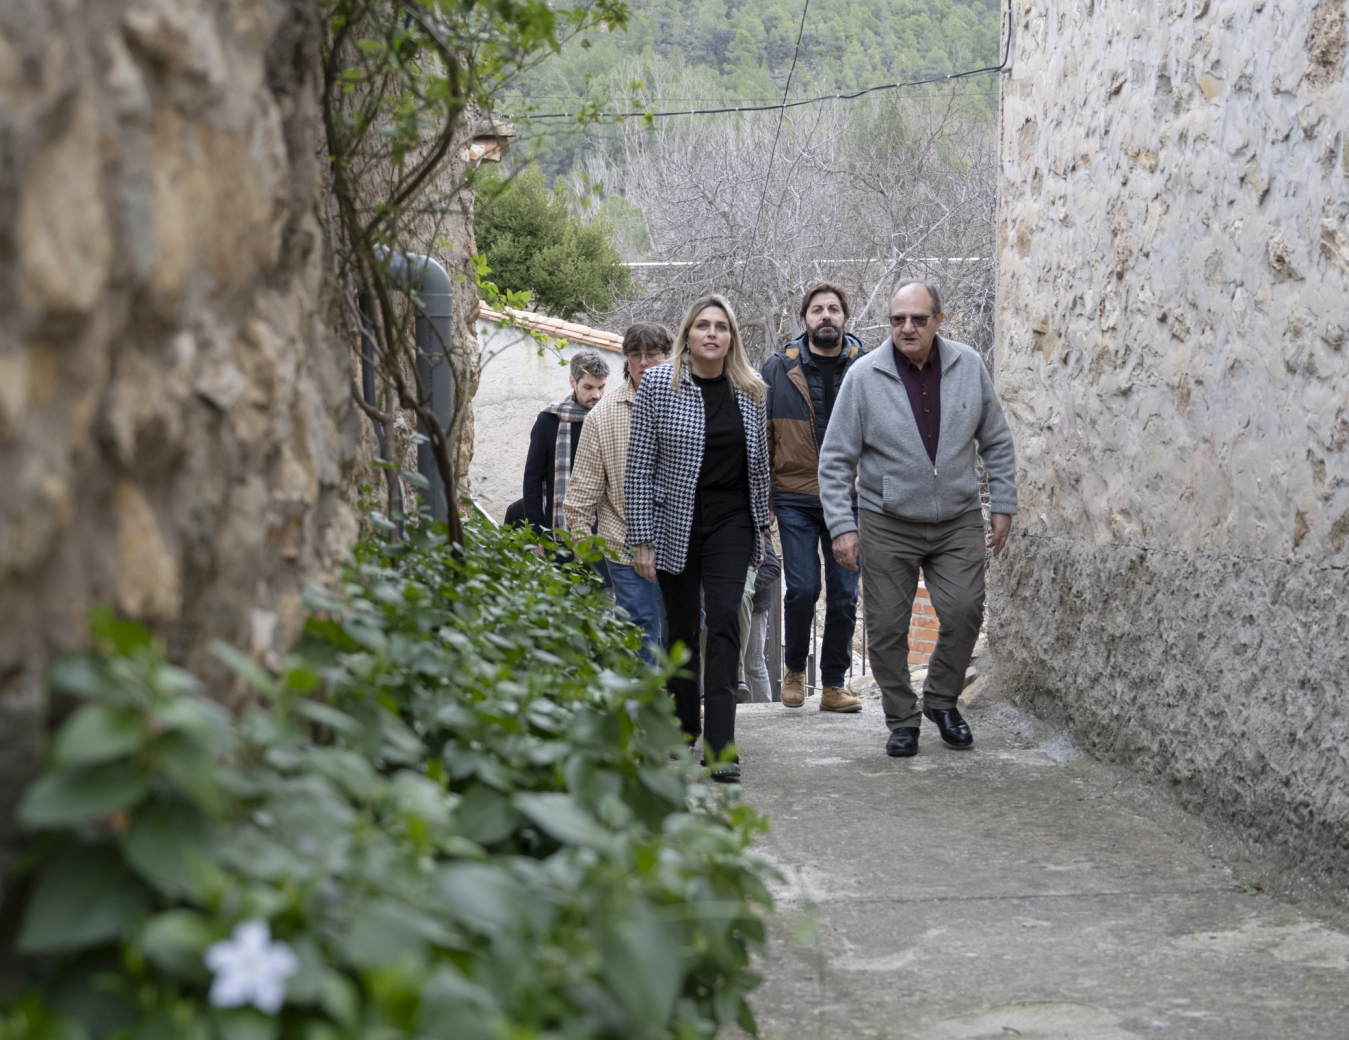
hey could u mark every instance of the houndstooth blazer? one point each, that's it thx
(665, 456)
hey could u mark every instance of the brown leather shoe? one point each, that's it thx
(836, 698)
(794, 690)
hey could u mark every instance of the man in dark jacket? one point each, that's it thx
(803, 379)
(553, 441)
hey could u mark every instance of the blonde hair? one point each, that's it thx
(738, 371)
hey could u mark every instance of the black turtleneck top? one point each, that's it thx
(723, 482)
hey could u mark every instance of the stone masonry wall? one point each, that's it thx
(1173, 276)
(176, 434)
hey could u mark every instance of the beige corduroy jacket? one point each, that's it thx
(596, 484)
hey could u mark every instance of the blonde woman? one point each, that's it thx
(696, 491)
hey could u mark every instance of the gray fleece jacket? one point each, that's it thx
(872, 431)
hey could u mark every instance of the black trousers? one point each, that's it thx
(712, 581)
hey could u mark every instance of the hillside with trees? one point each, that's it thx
(741, 52)
(759, 205)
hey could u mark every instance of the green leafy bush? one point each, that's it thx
(532, 243)
(461, 811)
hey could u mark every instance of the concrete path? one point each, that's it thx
(1016, 889)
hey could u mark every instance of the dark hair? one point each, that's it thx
(824, 287)
(643, 337)
(932, 293)
(588, 363)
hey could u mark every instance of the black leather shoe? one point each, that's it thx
(903, 742)
(955, 731)
(725, 772)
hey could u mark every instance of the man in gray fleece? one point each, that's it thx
(910, 421)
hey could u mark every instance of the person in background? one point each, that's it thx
(696, 489)
(755, 625)
(803, 380)
(595, 490)
(912, 421)
(554, 440)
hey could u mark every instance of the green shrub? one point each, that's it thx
(461, 810)
(533, 244)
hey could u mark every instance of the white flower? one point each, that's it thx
(632, 708)
(251, 969)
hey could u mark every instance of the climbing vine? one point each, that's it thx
(404, 83)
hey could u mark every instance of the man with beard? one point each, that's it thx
(803, 380)
(553, 443)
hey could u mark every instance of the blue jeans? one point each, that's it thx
(804, 535)
(642, 601)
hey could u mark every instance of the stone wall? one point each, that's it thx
(176, 434)
(1173, 245)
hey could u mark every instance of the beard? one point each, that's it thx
(826, 337)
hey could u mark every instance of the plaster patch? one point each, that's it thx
(890, 962)
(1308, 945)
(1038, 1021)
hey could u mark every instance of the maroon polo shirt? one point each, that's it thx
(923, 386)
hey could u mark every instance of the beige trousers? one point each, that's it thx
(951, 557)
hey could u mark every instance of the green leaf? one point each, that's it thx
(245, 1024)
(84, 675)
(485, 816)
(86, 896)
(327, 715)
(643, 966)
(31, 1019)
(79, 794)
(745, 1018)
(200, 719)
(452, 1006)
(400, 744)
(351, 771)
(364, 633)
(98, 733)
(560, 817)
(168, 845)
(175, 941)
(663, 782)
(191, 768)
(322, 600)
(301, 676)
(417, 796)
(485, 896)
(382, 932)
(305, 986)
(245, 668)
(122, 637)
(340, 998)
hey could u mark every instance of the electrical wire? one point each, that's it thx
(557, 131)
(782, 112)
(784, 104)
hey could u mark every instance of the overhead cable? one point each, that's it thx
(783, 105)
(768, 176)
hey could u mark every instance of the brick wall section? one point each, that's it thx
(922, 629)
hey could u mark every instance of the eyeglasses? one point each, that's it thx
(900, 320)
(648, 356)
